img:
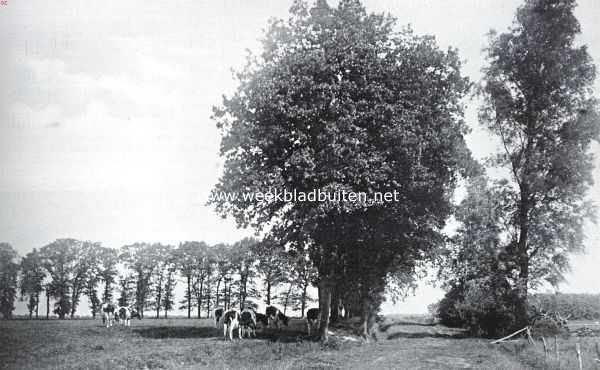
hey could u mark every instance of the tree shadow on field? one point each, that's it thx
(425, 335)
(282, 336)
(161, 332)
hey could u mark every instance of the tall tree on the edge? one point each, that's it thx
(538, 101)
(9, 269)
(339, 102)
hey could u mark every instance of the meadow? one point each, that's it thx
(402, 343)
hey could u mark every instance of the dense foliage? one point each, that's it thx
(338, 101)
(538, 101)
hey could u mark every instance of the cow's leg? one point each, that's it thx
(240, 332)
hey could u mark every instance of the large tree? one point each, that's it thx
(340, 102)
(539, 103)
(142, 260)
(9, 269)
(107, 271)
(188, 257)
(32, 280)
(271, 267)
(59, 259)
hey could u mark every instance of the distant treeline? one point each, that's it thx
(144, 275)
(578, 306)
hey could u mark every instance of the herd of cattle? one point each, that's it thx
(123, 315)
(246, 322)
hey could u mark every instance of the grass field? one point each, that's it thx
(403, 343)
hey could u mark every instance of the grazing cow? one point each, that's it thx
(231, 321)
(248, 323)
(312, 318)
(124, 314)
(275, 317)
(218, 315)
(261, 318)
(134, 313)
(108, 313)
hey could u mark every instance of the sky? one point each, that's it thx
(105, 129)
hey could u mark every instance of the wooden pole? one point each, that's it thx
(578, 349)
(545, 347)
(529, 337)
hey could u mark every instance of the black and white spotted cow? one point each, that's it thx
(218, 315)
(231, 321)
(312, 319)
(248, 323)
(262, 319)
(276, 317)
(125, 314)
(108, 314)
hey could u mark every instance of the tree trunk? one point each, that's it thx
(335, 302)
(47, 305)
(523, 259)
(324, 307)
(217, 293)
(225, 300)
(365, 314)
(189, 296)
(268, 292)
(303, 299)
(287, 298)
(208, 296)
(158, 299)
(200, 298)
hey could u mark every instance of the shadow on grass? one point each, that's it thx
(283, 336)
(426, 335)
(161, 332)
(272, 335)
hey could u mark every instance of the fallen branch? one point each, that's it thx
(510, 336)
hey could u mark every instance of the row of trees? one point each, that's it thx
(338, 100)
(144, 275)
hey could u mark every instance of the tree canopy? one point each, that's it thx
(339, 100)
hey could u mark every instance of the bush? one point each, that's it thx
(483, 306)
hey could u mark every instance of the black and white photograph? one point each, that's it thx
(300, 184)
